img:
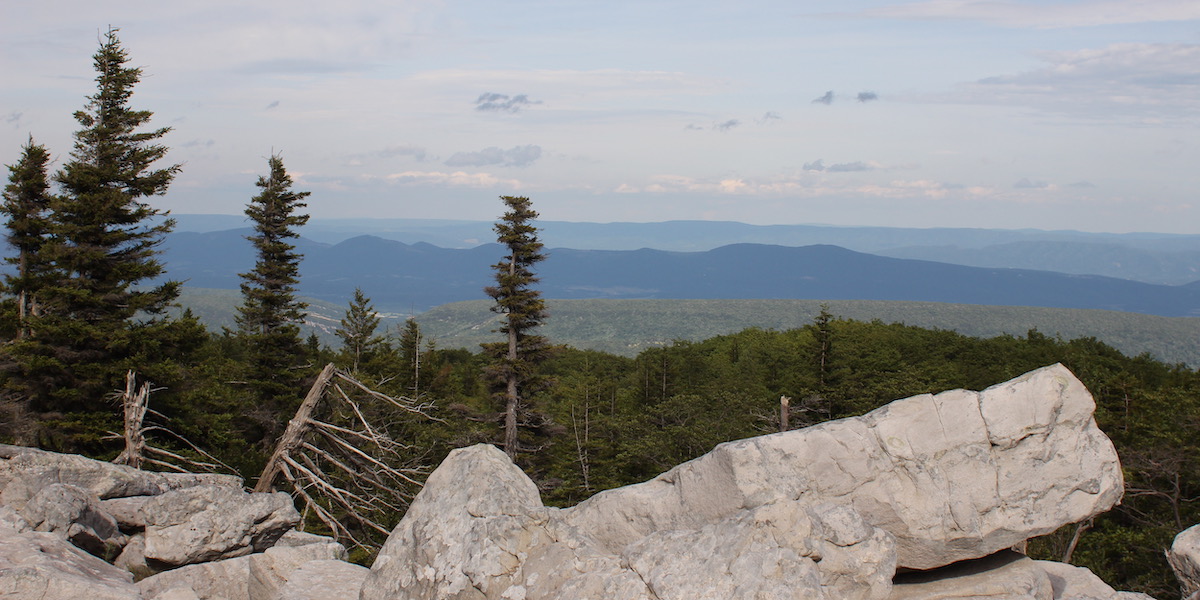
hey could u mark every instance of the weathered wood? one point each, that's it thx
(293, 436)
(784, 415)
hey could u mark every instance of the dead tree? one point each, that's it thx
(135, 402)
(346, 469)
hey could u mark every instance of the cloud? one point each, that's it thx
(416, 152)
(770, 116)
(13, 117)
(273, 104)
(518, 156)
(827, 99)
(456, 179)
(727, 125)
(851, 167)
(693, 127)
(1040, 15)
(1141, 80)
(1082, 184)
(490, 102)
(867, 96)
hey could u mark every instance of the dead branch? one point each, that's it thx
(135, 402)
(341, 463)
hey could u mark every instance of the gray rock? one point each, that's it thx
(12, 522)
(292, 538)
(478, 530)
(1075, 583)
(206, 523)
(270, 570)
(127, 511)
(227, 579)
(133, 558)
(1184, 557)
(25, 471)
(780, 550)
(1004, 576)
(178, 593)
(952, 477)
(324, 580)
(76, 514)
(47, 567)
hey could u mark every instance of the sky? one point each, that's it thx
(1077, 115)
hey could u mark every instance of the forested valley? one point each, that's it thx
(78, 319)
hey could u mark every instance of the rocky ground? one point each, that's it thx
(920, 499)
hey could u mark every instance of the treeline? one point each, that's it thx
(79, 313)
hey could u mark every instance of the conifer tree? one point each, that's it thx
(357, 330)
(103, 245)
(270, 314)
(414, 351)
(27, 206)
(513, 367)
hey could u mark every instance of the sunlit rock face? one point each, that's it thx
(824, 512)
(952, 476)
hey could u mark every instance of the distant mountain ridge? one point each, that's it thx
(414, 277)
(1148, 257)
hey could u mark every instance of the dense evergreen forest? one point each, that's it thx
(76, 320)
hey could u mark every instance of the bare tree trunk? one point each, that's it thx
(294, 434)
(135, 403)
(784, 416)
(1079, 531)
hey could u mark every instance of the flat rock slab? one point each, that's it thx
(25, 471)
(952, 476)
(1003, 576)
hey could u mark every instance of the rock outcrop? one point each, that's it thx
(825, 512)
(1184, 557)
(479, 527)
(952, 476)
(918, 499)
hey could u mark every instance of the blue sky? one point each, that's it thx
(1051, 115)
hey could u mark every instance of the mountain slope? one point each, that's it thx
(403, 277)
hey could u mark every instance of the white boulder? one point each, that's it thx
(952, 476)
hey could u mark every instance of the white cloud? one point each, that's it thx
(455, 178)
(1142, 81)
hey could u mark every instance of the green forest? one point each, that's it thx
(80, 313)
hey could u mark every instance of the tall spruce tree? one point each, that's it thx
(103, 245)
(270, 314)
(512, 371)
(26, 206)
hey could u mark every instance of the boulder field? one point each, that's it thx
(920, 499)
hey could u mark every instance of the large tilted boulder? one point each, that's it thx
(952, 476)
(811, 513)
(479, 530)
(205, 523)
